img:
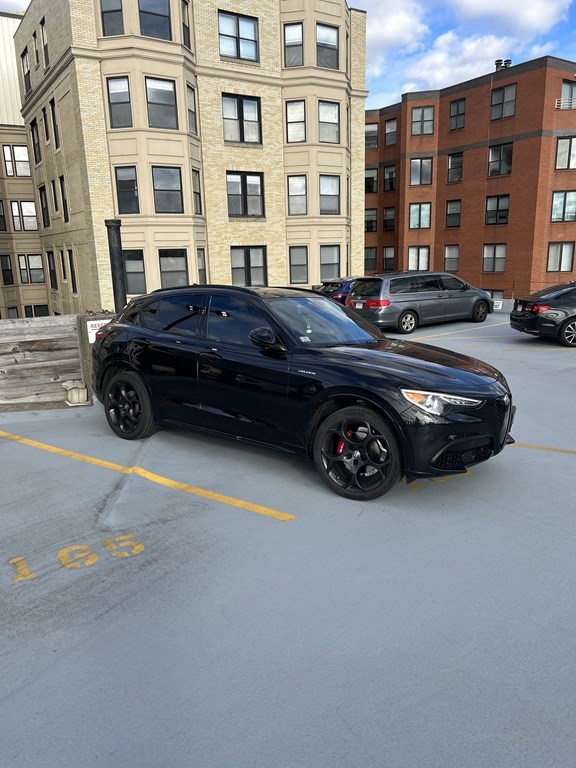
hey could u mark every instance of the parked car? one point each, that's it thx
(405, 300)
(550, 312)
(338, 288)
(291, 369)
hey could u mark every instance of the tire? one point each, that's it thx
(480, 312)
(356, 454)
(567, 333)
(407, 322)
(127, 406)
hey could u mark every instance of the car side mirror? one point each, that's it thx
(266, 339)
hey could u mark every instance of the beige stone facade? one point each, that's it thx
(141, 138)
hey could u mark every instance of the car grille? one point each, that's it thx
(461, 459)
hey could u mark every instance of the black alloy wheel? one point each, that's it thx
(567, 333)
(480, 312)
(127, 406)
(407, 322)
(356, 454)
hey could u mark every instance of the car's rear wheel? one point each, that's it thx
(480, 312)
(127, 406)
(408, 321)
(567, 333)
(357, 454)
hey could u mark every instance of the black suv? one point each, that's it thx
(292, 369)
(550, 312)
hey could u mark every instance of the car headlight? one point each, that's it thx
(437, 403)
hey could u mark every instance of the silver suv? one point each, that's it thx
(405, 300)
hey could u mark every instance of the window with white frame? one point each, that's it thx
(560, 257)
(494, 257)
(419, 257)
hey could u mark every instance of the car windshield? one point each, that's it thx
(553, 291)
(318, 322)
(331, 287)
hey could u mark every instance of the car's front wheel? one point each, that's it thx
(356, 453)
(567, 333)
(480, 312)
(127, 406)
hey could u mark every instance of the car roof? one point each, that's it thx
(379, 275)
(264, 292)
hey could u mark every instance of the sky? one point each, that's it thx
(419, 45)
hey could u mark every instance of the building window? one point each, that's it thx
(36, 141)
(390, 178)
(388, 258)
(564, 206)
(329, 195)
(457, 113)
(455, 166)
(16, 160)
(155, 18)
(371, 135)
(36, 310)
(500, 160)
(24, 217)
(64, 197)
(72, 266)
(248, 265)
(46, 126)
(44, 39)
(185, 12)
(568, 99)
(173, 267)
(419, 215)
(52, 270)
(293, 46)
(329, 262)
(421, 171)
(119, 102)
(55, 123)
(497, 209)
(451, 257)
(13, 313)
(31, 268)
(202, 266)
(297, 196)
(329, 122)
(134, 271)
(560, 257)
(241, 115)
(26, 70)
(44, 206)
(494, 259)
(390, 132)
(389, 218)
(167, 185)
(197, 192)
(370, 220)
(298, 264)
(238, 36)
(63, 266)
(419, 257)
(112, 22)
(54, 195)
(6, 269)
(453, 212)
(371, 180)
(566, 154)
(503, 102)
(422, 121)
(191, 106)
(36, 52)
(3, 227)
(127, 189)
(245, 193)
(326, 46)
(295, 121)
(370, 259)
(161, 100)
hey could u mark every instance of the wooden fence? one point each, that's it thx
(37, 356)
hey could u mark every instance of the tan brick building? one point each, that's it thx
(478, 179)
(227, 137)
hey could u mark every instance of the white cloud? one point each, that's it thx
(520, 18)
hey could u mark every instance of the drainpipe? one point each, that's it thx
(116, 263)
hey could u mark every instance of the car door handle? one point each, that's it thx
(213, 353)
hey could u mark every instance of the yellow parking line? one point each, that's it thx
(464, 330)
(153, 478)
(566, 451)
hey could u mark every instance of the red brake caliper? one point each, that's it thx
(341, 444)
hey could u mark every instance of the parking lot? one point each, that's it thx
(197, 603)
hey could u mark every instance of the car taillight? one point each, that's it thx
(338, 296)
(349, 303)
(100, 335)
(539, 308)
(372, 303)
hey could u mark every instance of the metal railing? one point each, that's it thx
(565, 103)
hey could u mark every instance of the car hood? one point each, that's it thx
(420, 365)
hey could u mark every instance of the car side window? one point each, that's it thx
(402, 285)
(148, 315)
(452, 283)
(179, 315)
(230, 320)
(428, 283)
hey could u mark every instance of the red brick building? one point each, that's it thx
(478, 178)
